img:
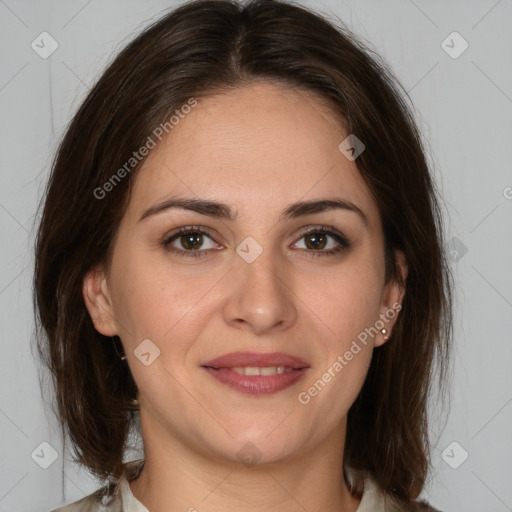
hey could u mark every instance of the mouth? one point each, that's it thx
(255, 373)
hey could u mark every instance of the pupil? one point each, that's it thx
(317, 240)
(188, 241)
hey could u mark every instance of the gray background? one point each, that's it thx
(464, 108)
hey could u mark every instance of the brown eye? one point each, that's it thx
(316, 241)
(323, 241)
(191, 241)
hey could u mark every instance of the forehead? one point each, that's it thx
(260, 144)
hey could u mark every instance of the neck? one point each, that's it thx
(178, 477)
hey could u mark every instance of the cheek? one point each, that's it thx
(344, 352)
(325, 399)
(348, 308)
(171, 311)
(149, 299)
(348, 303)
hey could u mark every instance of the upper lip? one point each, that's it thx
(256, 359)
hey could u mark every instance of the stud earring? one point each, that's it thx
(384, 331)
(121, 356)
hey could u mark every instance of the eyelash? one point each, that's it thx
(342, 240)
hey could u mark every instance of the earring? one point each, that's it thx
(123, 356)
(384, 331)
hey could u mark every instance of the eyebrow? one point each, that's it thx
(224, 212)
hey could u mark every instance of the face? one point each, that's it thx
(303, 282)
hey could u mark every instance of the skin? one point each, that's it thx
(258, 149)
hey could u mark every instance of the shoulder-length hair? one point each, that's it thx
(212, 46)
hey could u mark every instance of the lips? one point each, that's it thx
(255, 373)
(255, 359)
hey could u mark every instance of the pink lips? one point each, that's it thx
(221, 368)
(256, 359)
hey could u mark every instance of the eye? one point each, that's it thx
(190, 241)
(317, 240)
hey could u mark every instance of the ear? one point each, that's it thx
(98, 302)
(392, 298)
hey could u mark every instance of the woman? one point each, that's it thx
(241, 248)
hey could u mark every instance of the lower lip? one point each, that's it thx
(256, 384)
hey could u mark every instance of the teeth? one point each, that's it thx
(266, 370)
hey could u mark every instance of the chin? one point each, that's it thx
(255, 449)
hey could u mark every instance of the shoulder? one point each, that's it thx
(420, 506)
(375, 499)
(391, 504)
(107, 498)
(95, 502)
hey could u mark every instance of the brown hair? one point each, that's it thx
(214, 45)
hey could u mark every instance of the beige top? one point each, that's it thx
(373, 499)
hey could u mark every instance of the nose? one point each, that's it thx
(260, 297)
